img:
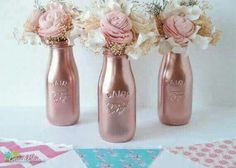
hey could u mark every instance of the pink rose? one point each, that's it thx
(180, 28)
(54, 23)
(32, 23)
(117, 27)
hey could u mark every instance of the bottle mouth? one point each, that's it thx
(61, 44)
(108, 53)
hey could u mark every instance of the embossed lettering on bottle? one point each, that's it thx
(175, 89)
(59, 91)
(117, 102)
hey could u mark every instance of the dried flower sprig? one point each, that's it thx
(155, 7)
(116, 49)
(189, 2)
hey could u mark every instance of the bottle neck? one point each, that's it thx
(115, 61)
(61, 53)
(116, 66)
(177, 62)
(177, 58)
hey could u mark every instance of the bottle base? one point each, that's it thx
(175, 123)
(117, 140)
(63, 124)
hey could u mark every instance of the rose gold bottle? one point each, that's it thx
(116, 99)
(175, 90)
(62, 86)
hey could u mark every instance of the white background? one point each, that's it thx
(23, 67)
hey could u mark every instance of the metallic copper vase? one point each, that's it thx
(116, 99)
(62, 86)
(175, 90)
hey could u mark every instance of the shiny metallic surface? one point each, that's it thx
(175, 90)
(62, 86)
(116, 99)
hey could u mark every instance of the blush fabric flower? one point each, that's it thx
(179, 28)
(117, 27)
(54, 23)
(32, 23)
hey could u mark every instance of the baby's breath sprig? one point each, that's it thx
(189, 2)
(155, 7)
(116, 49)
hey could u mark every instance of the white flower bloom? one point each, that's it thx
(142, 46)
(143, 37)
(170, 45)
(143, 22)
(127, 8)
(26, 37)
(74, 34)
(95, 40)
(134, 53)
(192, 12)
(174, 8)
(164, 47)
(101, 7)
(201, 42)
(112, 4)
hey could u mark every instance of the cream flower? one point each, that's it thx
(101, 7)
(174, 8)
(169, 45)
(24, 37)
(142, 46)
(32, 23)
(95, 40)
(141, 24)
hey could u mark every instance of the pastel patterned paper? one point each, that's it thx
(211, 155)
(17, 154)
(118, 158)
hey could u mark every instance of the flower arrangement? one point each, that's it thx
(49, 24)
(181, 23)
(120, 26)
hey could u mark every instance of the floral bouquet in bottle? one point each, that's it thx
(51, 23)
(122, 30)
(55, 25)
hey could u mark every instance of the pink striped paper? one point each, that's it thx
(31, 153)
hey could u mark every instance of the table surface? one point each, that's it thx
(208, 124)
